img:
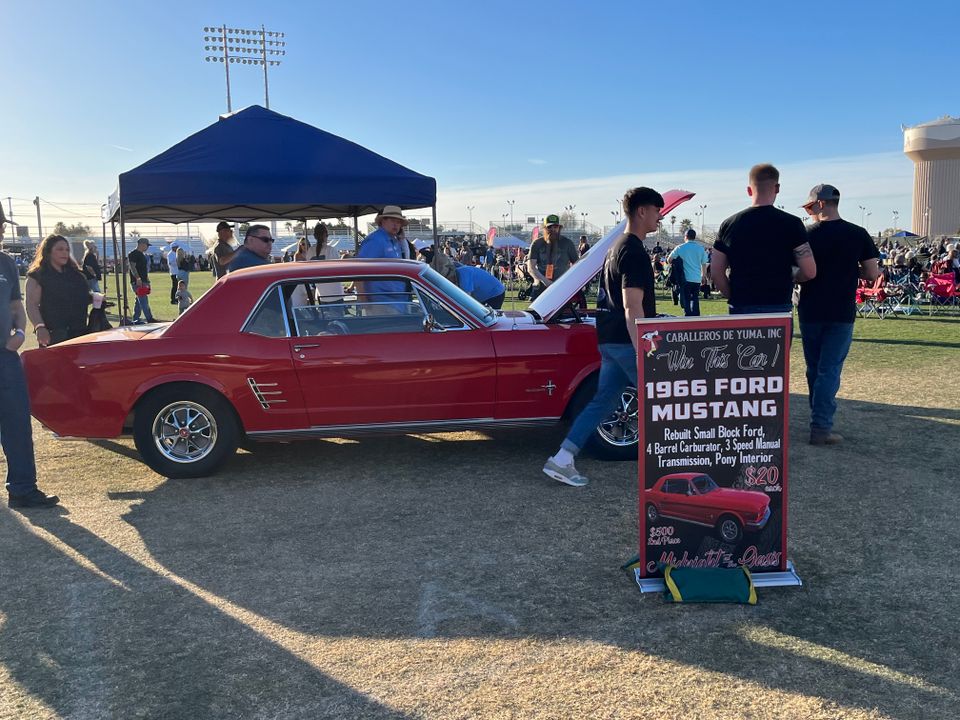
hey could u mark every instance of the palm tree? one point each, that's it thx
(685, 225)
(673, 230)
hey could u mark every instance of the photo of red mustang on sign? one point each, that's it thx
(713, 409)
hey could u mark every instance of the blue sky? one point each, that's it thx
(545, 103)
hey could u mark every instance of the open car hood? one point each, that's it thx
(557, 295)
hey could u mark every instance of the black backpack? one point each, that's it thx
(676, 271)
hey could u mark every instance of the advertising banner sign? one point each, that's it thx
(713, 442)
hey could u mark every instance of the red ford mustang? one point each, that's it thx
(328, 349)
(696, 498)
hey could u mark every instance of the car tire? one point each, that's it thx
(729, 529)
(652, 513)
(616, 436)
(185, 430)
(604, 443)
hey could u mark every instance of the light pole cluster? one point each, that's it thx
(510, 203)
(245, 47)
(702, 215)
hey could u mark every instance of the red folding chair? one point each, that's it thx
(873, 299)
(942, 292)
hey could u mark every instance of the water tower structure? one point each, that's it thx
(934, 148)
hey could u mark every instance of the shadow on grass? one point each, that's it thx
(462, 537)
(910, 343)
(118, 640)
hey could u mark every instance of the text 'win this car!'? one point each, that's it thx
(329, 349)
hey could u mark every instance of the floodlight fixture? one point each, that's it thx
(246, 47)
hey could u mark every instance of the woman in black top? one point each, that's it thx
(57, 293)
(91, 265)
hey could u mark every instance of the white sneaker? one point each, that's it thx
(566, 474)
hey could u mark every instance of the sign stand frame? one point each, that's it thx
(790, 578)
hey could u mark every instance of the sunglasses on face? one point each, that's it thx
(267, 239)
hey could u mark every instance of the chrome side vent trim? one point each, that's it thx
(265, 393)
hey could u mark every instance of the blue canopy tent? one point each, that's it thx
(905, 234)
(256, 164)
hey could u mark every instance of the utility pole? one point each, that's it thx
(36, 201)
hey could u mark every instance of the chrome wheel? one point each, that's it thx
(621, 428)
(184, 431)
(729, 530)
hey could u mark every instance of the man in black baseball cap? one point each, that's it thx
(224, 251)
(822, 192)
(844, 253)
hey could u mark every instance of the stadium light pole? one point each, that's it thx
(583, 221)
(702, 216)
(510, 203)
(505, 216)
(896, 220)
(245, 47)
(470, 209)
(863, 212)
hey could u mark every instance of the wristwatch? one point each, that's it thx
(19, 331)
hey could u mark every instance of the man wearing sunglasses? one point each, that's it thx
(257, 244)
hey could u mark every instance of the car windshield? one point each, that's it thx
(478, 310)
(704, 484)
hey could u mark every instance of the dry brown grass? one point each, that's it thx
(442, 576)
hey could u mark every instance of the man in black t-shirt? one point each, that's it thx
(626, 294)
(140, 280)
(760, 246)
(844, 253)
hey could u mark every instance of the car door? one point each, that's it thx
(364, 363)
(675, 498)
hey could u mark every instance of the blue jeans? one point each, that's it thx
(16, 435)
(690, 298)
(141, 303)
(825, 347)
(618, 369)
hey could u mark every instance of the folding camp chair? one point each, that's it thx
(873, 299)
(942, 293)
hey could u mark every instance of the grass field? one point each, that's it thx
(442, 576)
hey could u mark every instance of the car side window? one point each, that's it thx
(675, 487)
(268, 319)
(365, 307)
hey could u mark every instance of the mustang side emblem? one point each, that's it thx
(648, 342)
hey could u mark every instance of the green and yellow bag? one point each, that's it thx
(709, 585)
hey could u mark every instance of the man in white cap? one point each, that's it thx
(16, 434)
(385, 242)
(173, 270)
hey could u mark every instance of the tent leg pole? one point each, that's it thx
(117, 271)
(121, 279)
(356, 235)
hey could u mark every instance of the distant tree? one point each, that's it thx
(673, 225)
(341, 228)
(685, 225)
(77, 230)
(242, 230)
